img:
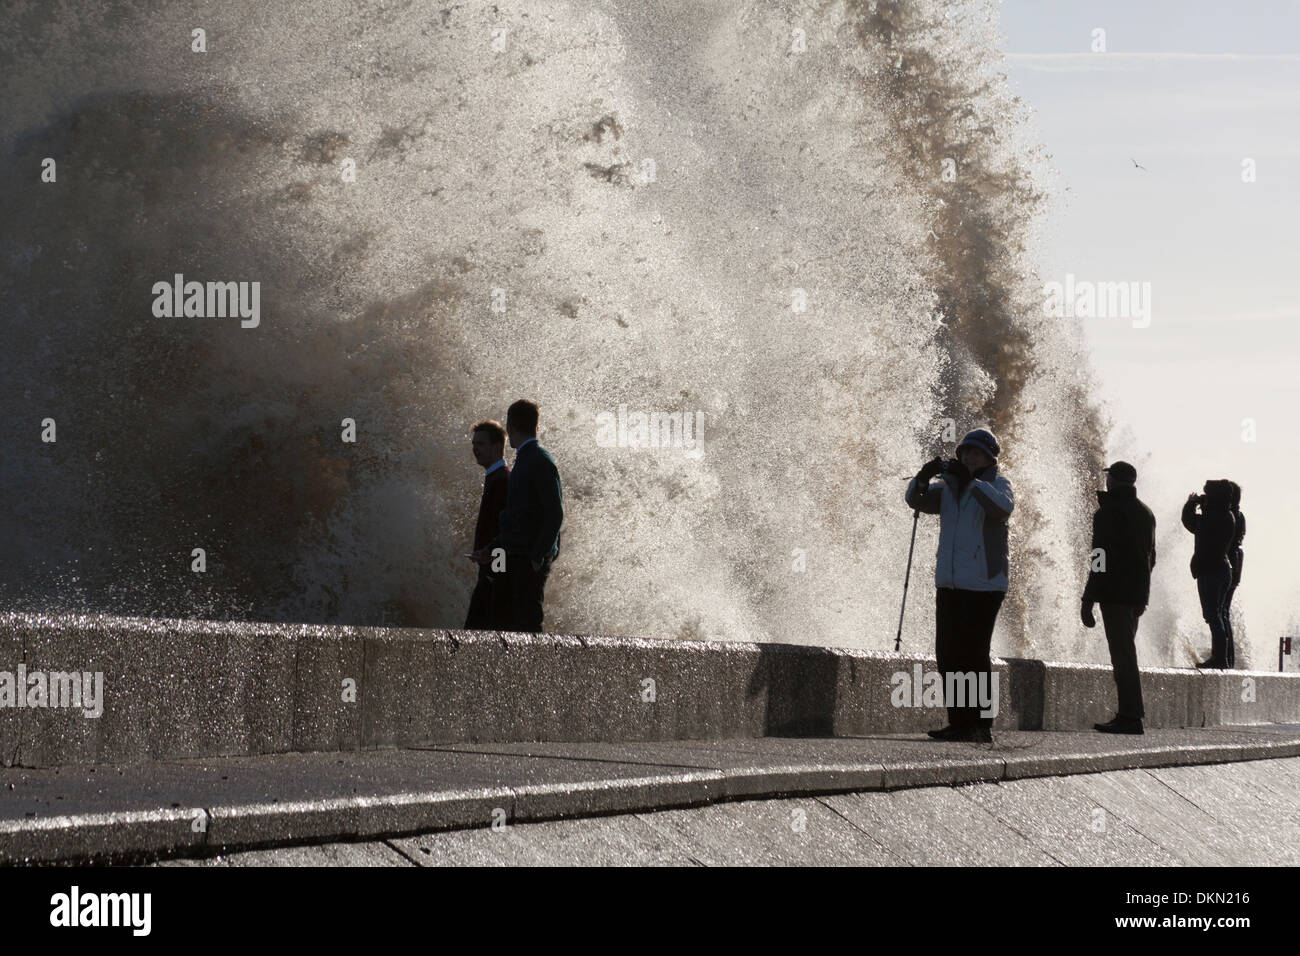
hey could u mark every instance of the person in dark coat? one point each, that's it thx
(974, 504)
(489, 608)
(1215, 528)
(1234, 558)
(1123, 555)
(531, 521)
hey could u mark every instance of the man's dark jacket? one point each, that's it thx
(1125, 530)
(530, 523)
(490, 507)
(1215, 527)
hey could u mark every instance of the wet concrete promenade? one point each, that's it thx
(1226, 795)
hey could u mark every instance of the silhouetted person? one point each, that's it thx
(489, 605)
(973, 503)
(1234, 558)
(1124, 552)
(530, 523)
(1215, 528)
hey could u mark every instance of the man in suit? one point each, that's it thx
(530, 523)
(1124, 552)
(489, 607)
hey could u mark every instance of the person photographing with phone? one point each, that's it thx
(1235, 557)
(1209, 517)
(973, 503)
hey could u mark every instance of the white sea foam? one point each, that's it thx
(798, 271)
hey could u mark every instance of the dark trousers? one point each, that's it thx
(525, 587)
(1121, 623)
(963, 635)
(1212, 585)
(489, 605)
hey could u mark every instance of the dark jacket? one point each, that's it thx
(1124, 529)
(534, 512)
(490, 507)
(1235, 552)
(1215, 527)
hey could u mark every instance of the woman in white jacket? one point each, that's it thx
(973, 503)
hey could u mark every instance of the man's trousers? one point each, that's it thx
(489, 605)
(1121, 623)
(525, 587)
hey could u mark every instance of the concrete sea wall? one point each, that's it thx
(176, 689)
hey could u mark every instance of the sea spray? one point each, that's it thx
(736, 210)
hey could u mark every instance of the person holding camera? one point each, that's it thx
(1234, 557)
(1123, 555)
(973, 503)
(1215, 528)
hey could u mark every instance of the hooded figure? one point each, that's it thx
(1215, 528)
(973, 503)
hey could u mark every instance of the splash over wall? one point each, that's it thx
(806, 226)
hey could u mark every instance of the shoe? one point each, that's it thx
(1211, 665)
(1120, 725)
(978, 734)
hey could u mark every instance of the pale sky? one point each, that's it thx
(1189, 90)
